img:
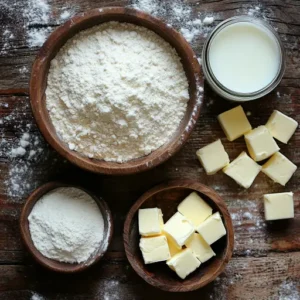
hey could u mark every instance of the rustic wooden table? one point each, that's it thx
(266, 261)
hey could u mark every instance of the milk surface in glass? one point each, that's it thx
(244, 57)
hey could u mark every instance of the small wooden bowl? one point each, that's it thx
(59, 37)
(167, 197)
(53, 264)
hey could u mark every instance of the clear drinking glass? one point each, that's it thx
(221, 89)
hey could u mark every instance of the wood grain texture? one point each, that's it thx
(266, 256)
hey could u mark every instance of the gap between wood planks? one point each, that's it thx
(14, 92)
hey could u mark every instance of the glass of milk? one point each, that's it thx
(243, 59)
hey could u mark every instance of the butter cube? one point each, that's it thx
(279, 168)
(194, 208)
(281, 126)
(212, 228)
(184, 263)
(150, 221)
(213, 157)
(243, 170)
(154, 249)
(260, 143)
(234, 123)
(200, 248)
(179, 228)
(172, 246)
(279, 206)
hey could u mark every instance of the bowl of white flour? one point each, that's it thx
(66, 228)
(116, 91)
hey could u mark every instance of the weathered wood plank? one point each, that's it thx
(244, 278)
(266, 259)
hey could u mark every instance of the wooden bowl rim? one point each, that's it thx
(100, 166)
(39, 257)
(222, 208)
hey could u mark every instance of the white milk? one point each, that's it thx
(244, 57)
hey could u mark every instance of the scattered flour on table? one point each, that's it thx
(24, 70)
(66, 225)
(180, 15)
(289, 290)
(208, 20)
(65, 15)
(222, 284)
(36, 12)
(7, 39)
(116, 92)
(248, 214)
(37, 36)
(23, 151)
(110, 291)
(36, 296)
(35, 15)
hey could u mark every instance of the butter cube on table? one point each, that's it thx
(213, 157)
(279, 206)
(260, 143)
(154, 249)
(200, 248)
(179, 229)
(243, 170)
(234, 123)
(195, 209)
(184, 263)
(279, 168)
(281, 126)
(150, 221)
(212, 228)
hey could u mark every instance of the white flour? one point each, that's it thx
(66, 225)
(181, 15)
(36, 296)
(289, 290)
(116, 92)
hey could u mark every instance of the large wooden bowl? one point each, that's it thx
(86, 20)
(53, 264)
(167, 197)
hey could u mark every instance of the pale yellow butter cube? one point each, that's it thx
(279, 168)
(184, 263)
(279, 206)
(150, 221)
(154, 249)
(281, 126)
(179, 228)
(200, 248)
(260, 143)
(213, 157)
(243, 170)
(212, 228)
(172, 246)
(234, 122)
(194, 208)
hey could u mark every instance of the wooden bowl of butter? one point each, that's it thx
(179, 236)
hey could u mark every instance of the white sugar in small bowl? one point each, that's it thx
(55, 265)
